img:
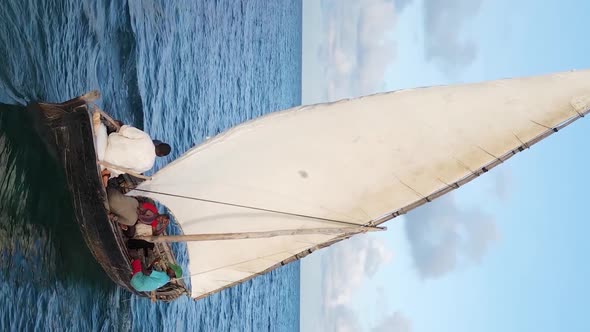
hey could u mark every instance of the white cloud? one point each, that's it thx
(442, 235)
(443, 23)
(396, 322)
(344, 319)
(502, 183)
(401, 4)
(347, 265)
(357, 44)
(356, 48)
(381, 297)
(341, 318)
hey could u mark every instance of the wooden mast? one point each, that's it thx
(259, 235)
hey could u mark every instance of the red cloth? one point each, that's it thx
(149, 206)
(154, 209)
(135, 266)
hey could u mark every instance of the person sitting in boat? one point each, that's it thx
(146, 278)
(135, 217)
(156, 227)
(146, 211)
(128, 150)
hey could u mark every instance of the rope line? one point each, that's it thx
(254, 208)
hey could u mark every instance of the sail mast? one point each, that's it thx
(259, 235)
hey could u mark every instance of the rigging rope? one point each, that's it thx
(257, 208)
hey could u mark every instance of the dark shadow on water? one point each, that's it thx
(128, 54)
(39, 235)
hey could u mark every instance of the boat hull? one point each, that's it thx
(67, 128)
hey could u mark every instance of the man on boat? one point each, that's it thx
(127, 150)
(146, 278)
(135, 217)
(149, 221)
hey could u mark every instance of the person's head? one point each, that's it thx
(162, 149)
(170, 273)
(134, 253)
(163, 218)
(162, 222)
(174, 271)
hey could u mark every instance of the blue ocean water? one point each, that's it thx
(183, 70)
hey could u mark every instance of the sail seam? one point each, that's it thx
(286, 261)
(252, 273)
(485, 168)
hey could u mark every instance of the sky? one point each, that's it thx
(519, 263)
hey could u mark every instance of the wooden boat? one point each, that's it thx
(68, 130)
(275, 189)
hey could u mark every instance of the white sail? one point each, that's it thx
(357, 161)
